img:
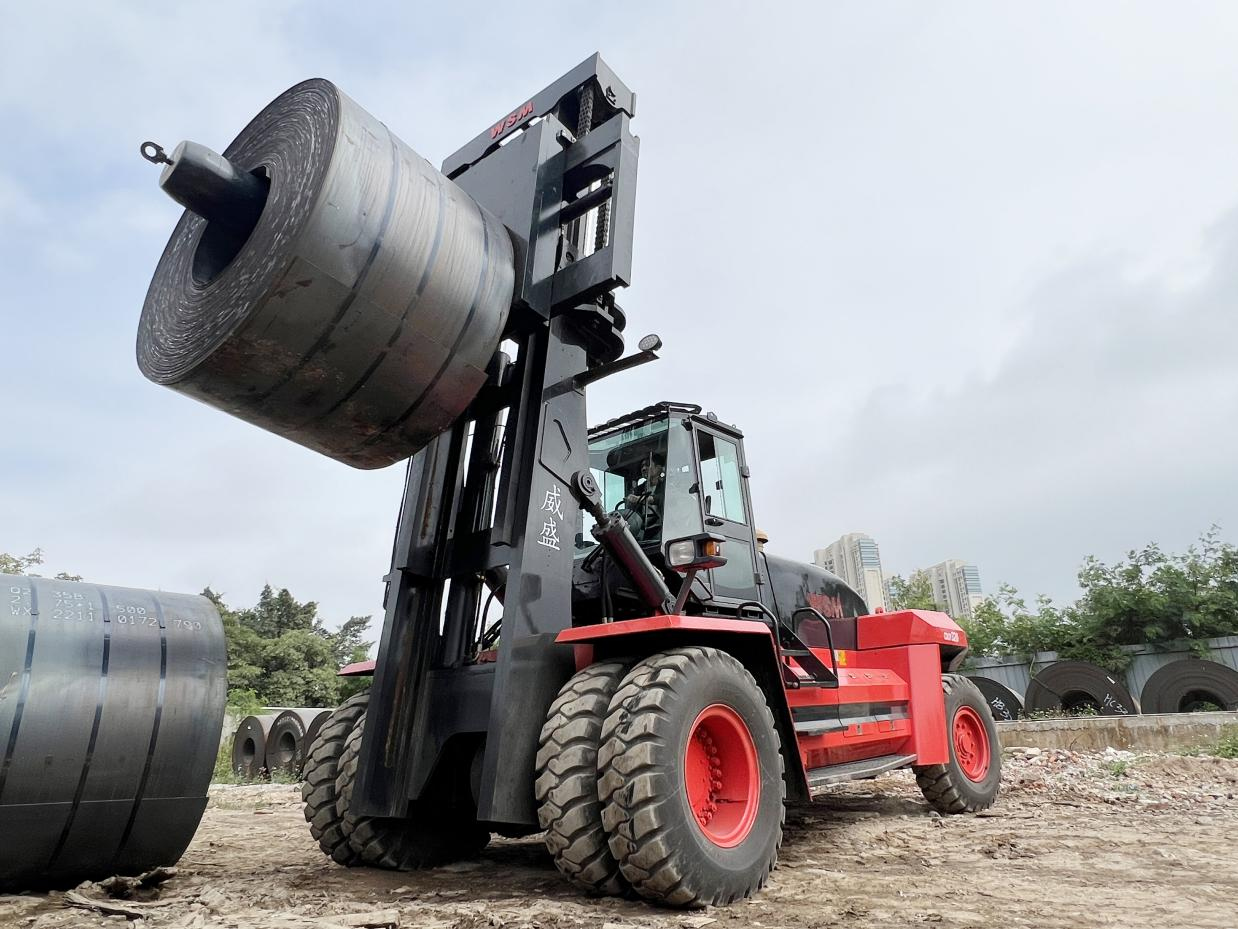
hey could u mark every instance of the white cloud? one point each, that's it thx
(852, 229)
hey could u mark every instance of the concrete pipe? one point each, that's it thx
(327, 283)
(111, 705)
(249, 746)
(287, 742)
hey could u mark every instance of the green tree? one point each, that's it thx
(1147, 597)
(281, 654)
(914, 593)
(21, 564)
(1003, 624)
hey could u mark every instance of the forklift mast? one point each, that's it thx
(490, 502)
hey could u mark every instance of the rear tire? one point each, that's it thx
(970, 781)
(321, 768)
(435, 833)
(691, 779)
(568, 806)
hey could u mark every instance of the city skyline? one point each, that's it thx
(856, 558)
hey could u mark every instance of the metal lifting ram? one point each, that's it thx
(583, 635)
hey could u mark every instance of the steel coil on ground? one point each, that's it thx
(1003, 703)
(311, 731)
(249, 746)
(1190, 684)
(288, 740)
(359, 314)
(111, 703)
(1073, 686)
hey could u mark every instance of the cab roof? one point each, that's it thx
(658, 411)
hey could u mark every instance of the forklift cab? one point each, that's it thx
(671, 473)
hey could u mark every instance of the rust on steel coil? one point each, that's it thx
(249, 745)
(359, 315)
(111, 705)
(288, 740)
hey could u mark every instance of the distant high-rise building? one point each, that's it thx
(856, 559)
(956, 586)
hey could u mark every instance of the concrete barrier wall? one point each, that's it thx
(1168, 732)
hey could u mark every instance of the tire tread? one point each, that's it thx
(651, 861)
(568, 806)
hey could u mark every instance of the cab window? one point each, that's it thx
(721, 487)
(630, 468)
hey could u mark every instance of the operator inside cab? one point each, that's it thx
(628, 461)
(642, 506)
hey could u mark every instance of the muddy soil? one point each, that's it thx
(1077, 840)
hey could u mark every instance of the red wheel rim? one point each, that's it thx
(721, 777)
(971, 743)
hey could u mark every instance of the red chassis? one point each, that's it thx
(887, 711)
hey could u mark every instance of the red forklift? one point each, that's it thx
(583, 636)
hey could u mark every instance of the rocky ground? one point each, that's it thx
(1077, 840)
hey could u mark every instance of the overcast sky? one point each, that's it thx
(964, 273)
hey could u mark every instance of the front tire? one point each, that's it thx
(568, 806)
(318, 793)
(435, 833)
(970, 781)
(691, 779)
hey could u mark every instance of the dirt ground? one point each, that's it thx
(1077, 840)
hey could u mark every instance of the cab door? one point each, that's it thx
(722, 494)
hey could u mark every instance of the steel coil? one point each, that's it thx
(360, 314)
(249, 746)
(1073, 686)
(1181, 686)
(288, 740)
(1003, 703)
(311, 731)
(111, 704)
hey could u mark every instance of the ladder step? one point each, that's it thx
(820, 778)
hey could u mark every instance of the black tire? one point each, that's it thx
(321, 768)
(1074, 685)
(1174, 687)
(1002, 701)
(662, 850)
(566, 788)
(435, 833)
(948, 787)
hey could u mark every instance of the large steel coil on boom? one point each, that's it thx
(326, 283)
(111, 707)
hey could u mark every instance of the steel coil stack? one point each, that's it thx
(275, 742)
(111, 703)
